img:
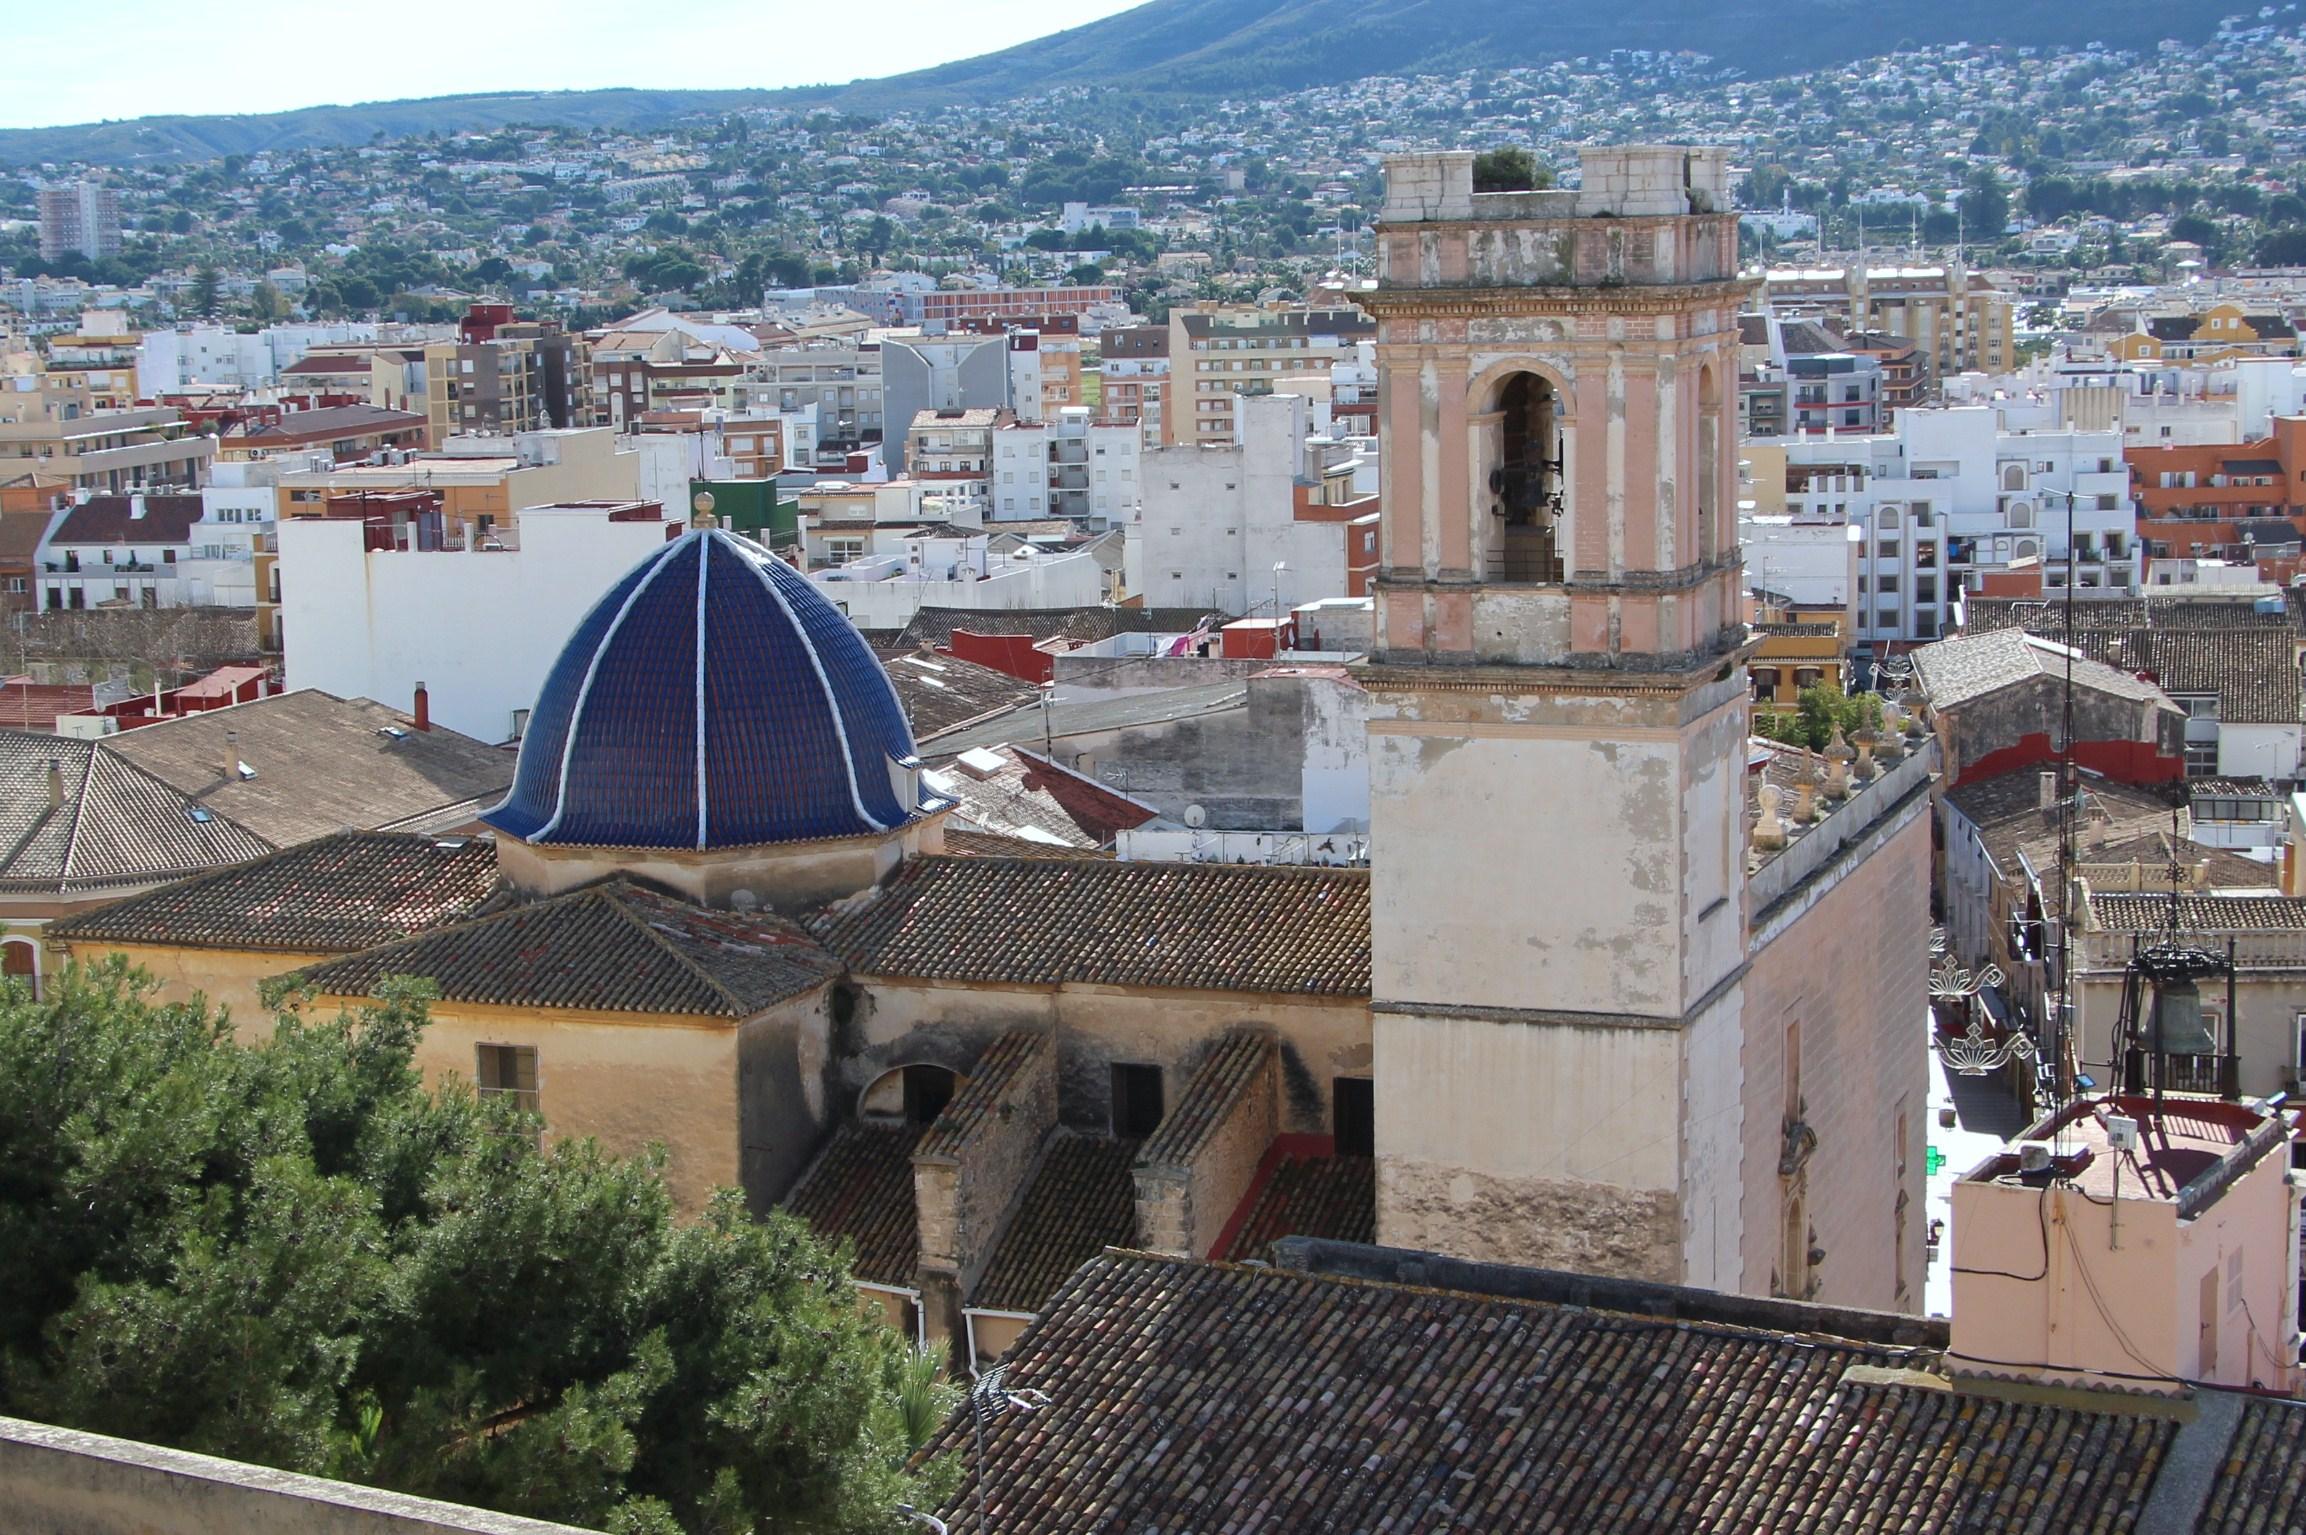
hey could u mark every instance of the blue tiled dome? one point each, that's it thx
(712, 699)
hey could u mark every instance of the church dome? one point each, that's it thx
(712, 699)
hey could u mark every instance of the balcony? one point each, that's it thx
(2218, 1075)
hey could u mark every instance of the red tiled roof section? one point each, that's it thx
(1004, 1064)
(860, 1189)
(1332, 1197)
(612, 947)
(1232, 1065)
(1097, 810)
(335, 895)
(1052, 922)
(2261, 1484)
(1202, 1396)
(129, 520)
(1082, 1200)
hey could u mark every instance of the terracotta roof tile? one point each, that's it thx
(2200, 913)
(1333, 1197)
(1230, 1068)
(1187, 1399)
(986, 844)
(1044, 922)
(1081, 1200)
(334, 895)
(991, 1082)
(116, 824)
(612, 947)
(860, 1189)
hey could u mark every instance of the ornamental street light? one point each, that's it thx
(1973, 1053)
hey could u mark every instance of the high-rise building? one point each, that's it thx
(79, 218)
(1219, 352)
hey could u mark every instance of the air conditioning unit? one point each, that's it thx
(2033, 1156)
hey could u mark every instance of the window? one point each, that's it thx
(1354, 1107)
(1136, 1101)
(509, 1070)
(927, 1090)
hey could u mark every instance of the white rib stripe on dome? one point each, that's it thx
(704, 562)
(832, 700)
(584, 691)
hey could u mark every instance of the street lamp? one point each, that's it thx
(991, 1397)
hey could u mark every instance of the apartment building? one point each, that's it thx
(951, 452)
(79, 218)
(1257, 526)
(1950, 497)
(482, 481)
(840, 379)
(2241, 502)
(100, 357)
(503, 375)
(936, 373)
(1074, 465)
(107, 451)
(1134, 377)
(952, 306)
(1218, 353)
(1956, 320)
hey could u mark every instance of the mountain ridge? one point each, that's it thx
(1187, 49)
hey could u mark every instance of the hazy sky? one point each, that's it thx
(87, 60)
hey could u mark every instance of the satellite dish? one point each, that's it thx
(1196, 817)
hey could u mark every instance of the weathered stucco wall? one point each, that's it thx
(1840, 975)
(1552, 1144)
(1097, 1027)
(228, 978)
(62, 1482)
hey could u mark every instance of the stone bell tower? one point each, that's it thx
(1558, 717)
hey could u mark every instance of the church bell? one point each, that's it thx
(2177, 1028)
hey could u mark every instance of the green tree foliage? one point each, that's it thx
(202, 298)
(1985, 204)
(1509, 169)
(293, 1253)
(1818, 709)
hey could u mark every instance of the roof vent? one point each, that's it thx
(980, 763)
(392, 733)
(201, 814)
(243, 771)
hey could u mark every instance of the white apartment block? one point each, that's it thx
(179, 358)
(1222, 525)
(1951, 494)
(1076, 467)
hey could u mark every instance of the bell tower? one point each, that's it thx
(1558, 716)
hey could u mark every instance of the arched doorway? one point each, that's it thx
(1525, 482)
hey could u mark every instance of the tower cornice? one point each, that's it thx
(1554, 299)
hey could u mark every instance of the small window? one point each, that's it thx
(927, 1090)
(509, 1070)
(1355, 1109)
(1136, 1101)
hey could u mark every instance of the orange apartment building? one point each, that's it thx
(2225, 501)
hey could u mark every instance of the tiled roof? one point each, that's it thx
(333, 895)
(323, 764)
(114, 824)
(1026, 796)
(992, 1081)
(330, 422)
(1082, 1199)
(942, 692)
(1972, 665)
(115, 520)
(2260, 1487)
(1088, 716)
(1191, 1398)
(860, 1189)
(1226, 1071)
(1048, 922)
(614, 947)
(2188, 645)
(2006, 809)
(2200, 913)
(986, 844)
(1333, 1197)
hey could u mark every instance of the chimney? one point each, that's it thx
(423, 708)
(231, 754)
(55, 784)
(2046, 794)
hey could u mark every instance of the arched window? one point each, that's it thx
(2021, 514)
(916, 1093)
(20, 961)
(2013, 477)
(1524, 482)
(1887, 519)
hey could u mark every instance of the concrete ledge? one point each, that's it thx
(59, 1481)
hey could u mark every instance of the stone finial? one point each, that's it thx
(1806, 791)
(1838, 759)
(1867, 768)
(1892, 740)
(1769, 830)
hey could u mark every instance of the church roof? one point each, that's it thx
(616, 947)
(713, 698)
(1051, 922)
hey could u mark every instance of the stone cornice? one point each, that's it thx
(1546, 300)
